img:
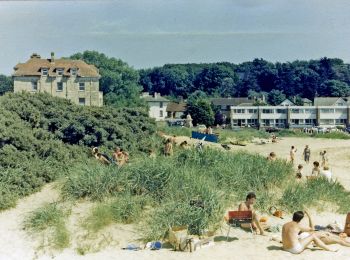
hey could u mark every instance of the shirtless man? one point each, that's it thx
(290, 235)
(248, 206)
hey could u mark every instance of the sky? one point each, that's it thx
(148, 33)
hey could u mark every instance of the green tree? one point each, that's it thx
(334, 88)
(6, 84)
(275, 97)
(119, 81)
(200, 109)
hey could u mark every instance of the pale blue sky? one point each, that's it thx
(147, 33)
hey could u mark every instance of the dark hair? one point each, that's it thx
(316, 163)
(251, 195)
(298, 216)
(300, 166)
(292, 146)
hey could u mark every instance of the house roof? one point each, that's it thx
(286, 102)
(306, 100)
(327, 101)
(33, 67)
(176, 107)
(230, 101)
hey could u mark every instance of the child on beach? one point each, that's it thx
(299, 174)
(324, 158)
(272, 157)
(292, 153)
(316, 170)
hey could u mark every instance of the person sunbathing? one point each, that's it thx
(272, 157)
(248, 206)
(293, 242)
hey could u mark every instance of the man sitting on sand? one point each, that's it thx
(291, 240)
(248, 206)
(296, 238)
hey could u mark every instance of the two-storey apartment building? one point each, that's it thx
(71, 79)
(290, 116)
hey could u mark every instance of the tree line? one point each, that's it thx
(122, 84)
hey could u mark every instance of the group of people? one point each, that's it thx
(119, 156)
(295, 237)
(319, 169)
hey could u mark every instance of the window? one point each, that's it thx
(281, 122)
(81, 86)
(82, 101)
(73, 71)
(44, 71)
(295, 121)
(297, 111)
(309, 121)
(252, 122)
(267, 111)
(340, 121)
(252, 111)
(59, 86)
(281, 111)
(239, 111)
(59, 72)
(340, 110)
(34, 86)
(266, 122)
(310, 111)
(161, 112)
(327, 110)
(327, 122)
(161, 105)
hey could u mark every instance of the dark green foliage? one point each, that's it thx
(40, 134)
(199, 107)
(6, 84)
(276, 97)
(119, 81)
(326, 77)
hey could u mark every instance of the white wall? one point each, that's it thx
(154, 110)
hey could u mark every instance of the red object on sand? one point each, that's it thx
(347, 225)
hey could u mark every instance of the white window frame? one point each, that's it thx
(34, 86)
(59, 71)
(57, 89)
(44, 71)
(81, 84)
(81, 103)
(73, 71)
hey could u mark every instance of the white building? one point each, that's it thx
(157, 105)
(290, 116)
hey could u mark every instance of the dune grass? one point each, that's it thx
(195, 189)
(50, 216)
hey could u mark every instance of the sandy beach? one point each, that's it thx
(17, 244)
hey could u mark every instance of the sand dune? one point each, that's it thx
(17, 244)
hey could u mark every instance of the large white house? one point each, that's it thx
(157, 105)
(325, 112)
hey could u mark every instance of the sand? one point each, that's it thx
(17, 244)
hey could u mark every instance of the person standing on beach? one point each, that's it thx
(248, 206)
(292, 153)
(306, 154)
(324, 158)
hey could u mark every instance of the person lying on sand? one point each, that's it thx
(293, 242)
(248, 206)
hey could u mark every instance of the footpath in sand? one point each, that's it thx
(17, 244)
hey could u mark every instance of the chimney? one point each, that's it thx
(35, 56)
(156, 94)
(52, 57)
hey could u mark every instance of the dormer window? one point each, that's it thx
(44, 71)
(73, 71)
(59, 72)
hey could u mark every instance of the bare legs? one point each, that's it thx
(330, 239)
(315, 237)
